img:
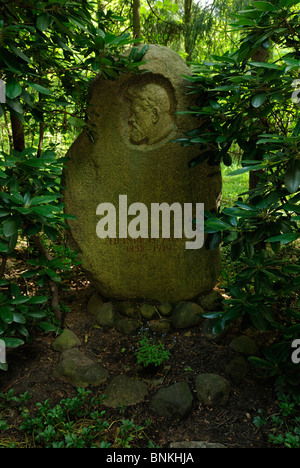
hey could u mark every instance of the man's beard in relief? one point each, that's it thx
(139, 136)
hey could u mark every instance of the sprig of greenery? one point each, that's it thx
(150, 352)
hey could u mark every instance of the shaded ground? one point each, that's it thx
(31, 368)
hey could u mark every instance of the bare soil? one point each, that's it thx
(31, 368)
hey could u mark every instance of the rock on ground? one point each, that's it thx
(187, 314)
(244, 345)
(106, 315)
(212, 389)
(124, 391)
(79, 370)
(66, 340)
(173, 402)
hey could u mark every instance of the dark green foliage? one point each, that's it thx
(49, 53)
(77, 422)
(248, 105)
(285, 429)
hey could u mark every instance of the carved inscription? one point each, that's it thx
(140, 246)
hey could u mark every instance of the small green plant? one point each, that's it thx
(78, 422)
(285, 430)
(150, 352)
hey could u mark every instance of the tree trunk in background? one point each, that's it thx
(187, 26)
(17, 134)
(136, 10)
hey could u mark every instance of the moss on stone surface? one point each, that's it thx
(112, 165)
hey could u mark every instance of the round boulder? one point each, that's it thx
(187, 314)
(124, 391)
(173, 402)
(212, 389)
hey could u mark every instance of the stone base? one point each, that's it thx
(128, 317)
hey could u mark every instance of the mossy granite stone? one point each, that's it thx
(79, 370)
(148, 168)
(124, 391)
(174, 402)
(66, 340)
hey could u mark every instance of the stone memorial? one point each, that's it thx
(127, 185)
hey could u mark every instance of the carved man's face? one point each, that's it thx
(149, 116)
(143, 120)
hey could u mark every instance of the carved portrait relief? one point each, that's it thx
(150, 114)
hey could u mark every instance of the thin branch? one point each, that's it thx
(157, 16)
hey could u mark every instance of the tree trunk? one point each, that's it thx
(17, 134)
(136, 10)
(187, 28)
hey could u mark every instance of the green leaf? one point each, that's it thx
(292, 177)
(3, 175)
(16, 198)
(214, 240)
(241, 170)
(21, 300)
(271, 66)
(258, 100)
(51, 232)
(236, 250)
(76, 122)
(12, 242)
(38, 300)
(33, 163)
(19, 53)
(3, 247)
(45, 210)
(261, 363)
(14, 105)
(11, 226)
(284, 238)
(44, 199)
(39, 88)
(217, 225)
(12, 342)
(19, 318)
(293, 313)
(37, 315)
(288, 3)
(53, 275)
(43, 22)
(4, 213)
(47, 326)
(13, 88)
(265, 6)
(6, 315)
(292, 331)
